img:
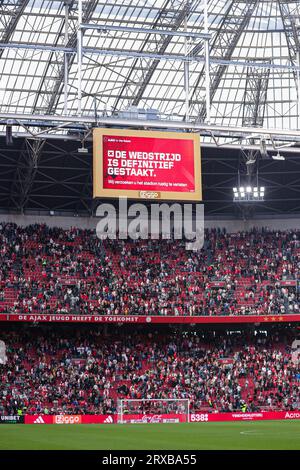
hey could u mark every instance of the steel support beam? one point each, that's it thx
(58, 121)
(186, 72)
(207, 64)
(66, 68)
(47, 103)
(254, 105)
(149, 55)
(10, 14)
(139, 77)
(44, 102)
(232, 137)
(26, 169)
(161, 32)
(233, 24)
(24, 135)
(290, 13)
(79, 58)
(255, 97)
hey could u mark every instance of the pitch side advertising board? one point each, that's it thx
(239, 416)
(200, 417)
(146, 165)
(11, 419)
(69, 419)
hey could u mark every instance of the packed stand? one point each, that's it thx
(51, 270)
(85, 372)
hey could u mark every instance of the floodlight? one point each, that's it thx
(248, 194)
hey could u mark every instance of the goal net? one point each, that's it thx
(153, 410)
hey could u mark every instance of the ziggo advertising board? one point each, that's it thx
(146, 165)
(69, 419)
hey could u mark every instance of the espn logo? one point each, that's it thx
(71, 419)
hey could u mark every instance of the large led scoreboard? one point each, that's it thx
(146, 165)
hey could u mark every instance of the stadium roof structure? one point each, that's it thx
(229, 70)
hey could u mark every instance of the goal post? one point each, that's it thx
(154, 410)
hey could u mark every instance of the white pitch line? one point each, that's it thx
(251, 432)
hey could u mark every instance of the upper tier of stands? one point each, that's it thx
(52, 270)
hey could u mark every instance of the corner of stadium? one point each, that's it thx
(149, 228)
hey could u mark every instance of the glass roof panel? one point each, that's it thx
(264, 32)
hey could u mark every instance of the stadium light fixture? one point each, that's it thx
(82, 149)
(248, 194)
(278, 157)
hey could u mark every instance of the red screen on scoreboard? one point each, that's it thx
(142, 164)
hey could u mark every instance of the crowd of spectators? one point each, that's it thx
(52, 270)
(85, 372)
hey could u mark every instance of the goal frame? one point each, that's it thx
(120, 412)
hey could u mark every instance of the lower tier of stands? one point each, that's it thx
(62, 369)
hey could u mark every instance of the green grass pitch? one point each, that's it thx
(243, 435)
